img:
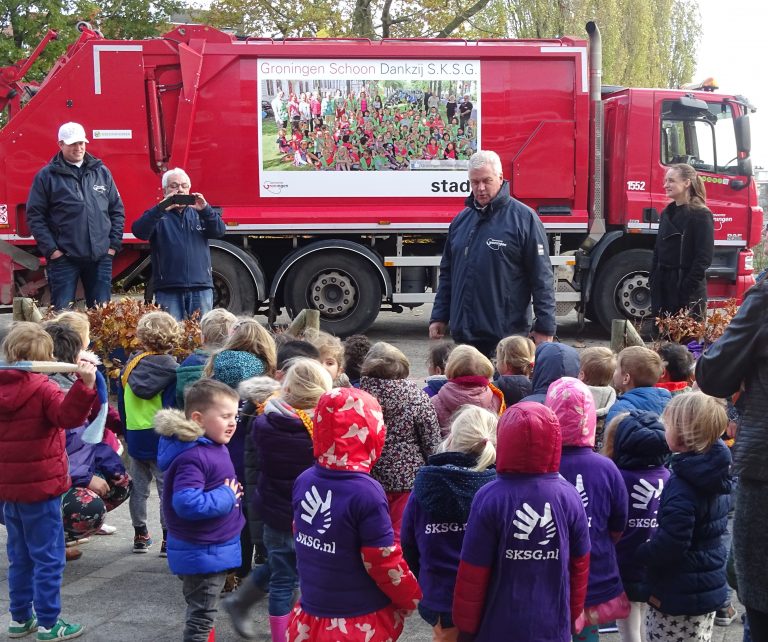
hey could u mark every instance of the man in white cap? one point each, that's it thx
(76, 215)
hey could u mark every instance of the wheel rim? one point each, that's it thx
(633, 295)
(333, 293)
(222, 291)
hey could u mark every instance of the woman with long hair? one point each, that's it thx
(684, 246)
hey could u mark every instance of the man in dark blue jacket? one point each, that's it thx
(496, 258)
(75, 213)
(181, 257)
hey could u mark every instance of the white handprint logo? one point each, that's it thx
(528, 519)
(314, 504)
(643, 492)
(582, 492)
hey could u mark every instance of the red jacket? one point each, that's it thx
(33, 413)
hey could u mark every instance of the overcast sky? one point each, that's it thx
(733, 50)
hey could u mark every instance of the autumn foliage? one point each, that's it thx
(682, 327)
(113, 331)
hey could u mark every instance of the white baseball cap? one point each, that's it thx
(70, 133)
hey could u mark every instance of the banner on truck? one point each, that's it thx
(367, 127)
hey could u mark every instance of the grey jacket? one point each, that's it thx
(740, 358)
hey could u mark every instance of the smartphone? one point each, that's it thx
(177, 199)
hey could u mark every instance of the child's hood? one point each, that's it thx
(708, 471)
(553, 360)
(604, 397)
(472, 391)
(17, 387)
(258, 389)
(572, 402)
(528, 440)
(446, 486)
(177, 434)
(233, 366)
(349, 430)
(152, 375)
(640, 441)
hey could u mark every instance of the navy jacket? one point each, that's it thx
(285, 451)
(178, 241)
(553, 361)
(686, 556)
(75, 210)
(514, 387)
(494, 260)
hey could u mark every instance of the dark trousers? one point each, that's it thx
(201, 593)
(64, 273)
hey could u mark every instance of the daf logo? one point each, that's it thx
(495, 244)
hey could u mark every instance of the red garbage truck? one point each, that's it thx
(356, 230)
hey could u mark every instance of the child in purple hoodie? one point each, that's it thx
(201, 498)
(637, 444)
(436, 515)
(525, 557)
(603, 495)
(355, 584)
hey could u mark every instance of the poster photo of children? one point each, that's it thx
(366, 116)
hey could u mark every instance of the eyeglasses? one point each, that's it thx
(179, 185)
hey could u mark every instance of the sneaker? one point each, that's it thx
(164, 549)
(141, 543)
(725, 615)
(20, 629)
(106, 529)
(60, 631)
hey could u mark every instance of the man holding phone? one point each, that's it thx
(178, 229)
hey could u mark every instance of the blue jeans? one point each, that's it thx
(279, 575)
(35, 559)
(182, 303)
(64, 273)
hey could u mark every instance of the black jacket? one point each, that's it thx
(686, 556)
(740, 358)
(494, 260)
(684, 248)
(181, 257)
(75, 210)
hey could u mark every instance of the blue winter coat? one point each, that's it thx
(513, 387)
(494, 261)
(686, 556)
(75, 210)
(85, 460)
(553, 361)
(203, 517)
(181, 257)
(643, 398)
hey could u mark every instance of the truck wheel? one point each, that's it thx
(233, 286)
(621, 289)
(344, 288)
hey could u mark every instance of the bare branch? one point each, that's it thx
(462, 18)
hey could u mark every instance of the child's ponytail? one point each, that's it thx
(473, 432)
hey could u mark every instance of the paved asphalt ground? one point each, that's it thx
(124, 597)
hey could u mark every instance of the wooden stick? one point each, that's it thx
(39, 366)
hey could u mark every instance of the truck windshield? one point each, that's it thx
(707, 144)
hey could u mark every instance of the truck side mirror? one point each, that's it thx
(745, 166)
(743, 134)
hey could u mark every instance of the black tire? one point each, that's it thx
(233, 286)
(621, 288)
(344, 288)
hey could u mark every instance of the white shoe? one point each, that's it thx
(106, 529)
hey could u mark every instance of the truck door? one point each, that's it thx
(702, 134)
